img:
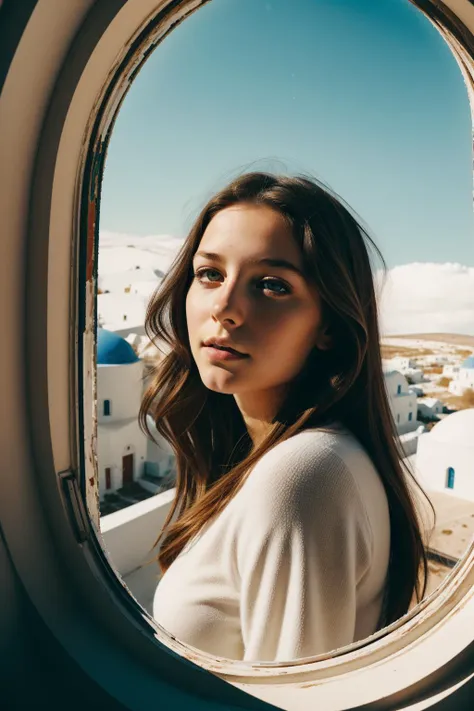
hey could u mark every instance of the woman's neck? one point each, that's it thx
(258, 410)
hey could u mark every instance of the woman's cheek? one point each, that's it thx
(190, 307)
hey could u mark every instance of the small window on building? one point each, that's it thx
(399, 389)
(410, 415)
(398, 418)
(450, 473)
(106, 407)
(125, 317)
(108, 484)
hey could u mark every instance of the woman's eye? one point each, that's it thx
(274, 286)
(200, 273)
(281, 287)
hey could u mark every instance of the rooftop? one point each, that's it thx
(457, 428)
(112, 349)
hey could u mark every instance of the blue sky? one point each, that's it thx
(364, 95)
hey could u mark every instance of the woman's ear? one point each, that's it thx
(324, 341)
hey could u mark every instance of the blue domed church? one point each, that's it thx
(121, 445)
(112, 349)
(124, 453)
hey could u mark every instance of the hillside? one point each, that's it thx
(455, 339)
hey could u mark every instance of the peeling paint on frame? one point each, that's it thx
(127, 66)
(91, 474)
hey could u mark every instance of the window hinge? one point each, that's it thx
(75, 504)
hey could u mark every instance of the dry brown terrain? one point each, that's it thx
(454, 338)
(454, 402)
(392, 351)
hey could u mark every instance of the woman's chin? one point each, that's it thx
(220, 387)
(221, 382)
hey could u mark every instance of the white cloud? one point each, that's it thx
(425, 297)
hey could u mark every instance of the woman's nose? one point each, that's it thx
(228, 306)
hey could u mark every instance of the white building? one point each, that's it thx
(445, 455)
(409, 440)
(406, 366)
(464, 379)
(161, 461)
(403, 402)
(451, 370)
(401, 362)
(430, 407)
(416, 375)
(434, 359)
(124, 452)
(437, 359)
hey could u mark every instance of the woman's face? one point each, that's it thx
(246, 295)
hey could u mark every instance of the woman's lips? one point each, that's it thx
(220, 354)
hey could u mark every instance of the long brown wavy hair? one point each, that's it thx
(206, 429)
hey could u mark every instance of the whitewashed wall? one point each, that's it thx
(433, 459)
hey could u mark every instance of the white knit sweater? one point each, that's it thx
(294, 566)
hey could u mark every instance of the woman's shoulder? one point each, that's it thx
(332, 447)
(319, 468)
(305, 488)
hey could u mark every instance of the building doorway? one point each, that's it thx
(127, 469)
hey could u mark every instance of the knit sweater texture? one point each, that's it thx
(296, 563)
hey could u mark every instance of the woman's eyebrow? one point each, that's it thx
(282, 263)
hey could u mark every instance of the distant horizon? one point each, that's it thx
(104, 232)
(420, 336)
(433, 336)
(438, 297)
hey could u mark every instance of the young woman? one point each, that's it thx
(293, 530)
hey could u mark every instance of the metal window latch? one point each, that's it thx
(75, 504)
